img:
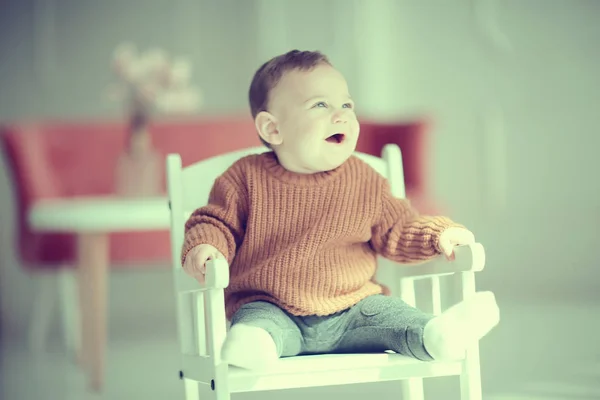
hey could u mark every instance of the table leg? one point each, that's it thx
(93, 259)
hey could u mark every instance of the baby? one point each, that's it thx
(301, 227)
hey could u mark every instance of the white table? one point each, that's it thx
(100, 214)
(92, 219)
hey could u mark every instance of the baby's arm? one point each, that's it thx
(221, 222)
(403, 235)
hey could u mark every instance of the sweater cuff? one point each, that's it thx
(439, 225)
(205, 234)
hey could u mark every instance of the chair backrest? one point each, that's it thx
(189, 188)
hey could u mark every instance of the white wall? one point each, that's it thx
(56, 53)
(514, 138)
(404, 58)
(55, 63)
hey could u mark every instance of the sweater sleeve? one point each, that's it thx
(221, 223)
(403, 235)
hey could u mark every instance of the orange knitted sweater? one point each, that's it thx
(308, 242)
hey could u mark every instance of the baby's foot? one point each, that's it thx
(249, 347)
(447, 336)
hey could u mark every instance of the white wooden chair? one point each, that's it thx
(201, 313)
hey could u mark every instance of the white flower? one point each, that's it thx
(181, 71)
(139, 73)
(179, 101)
(125, 52)
(156, 58)
(151, 79)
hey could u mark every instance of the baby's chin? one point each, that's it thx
(312, 163)
(328, 164)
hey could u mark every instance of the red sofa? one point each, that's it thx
(61, 159)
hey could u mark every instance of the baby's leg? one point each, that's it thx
(448, 335)
(380, 323)
(260, 333)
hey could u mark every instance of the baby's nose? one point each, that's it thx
(340, 116)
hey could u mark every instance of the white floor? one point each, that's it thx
(540, 351)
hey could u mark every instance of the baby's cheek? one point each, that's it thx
(356, 126)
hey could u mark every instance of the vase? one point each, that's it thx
(139, 169)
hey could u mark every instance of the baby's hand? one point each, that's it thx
(195, 260)
(454, 236)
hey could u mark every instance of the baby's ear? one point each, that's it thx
(266, 125)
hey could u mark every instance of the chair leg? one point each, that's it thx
(192, 390)
(470, 389)
(412, 389)
(41, 315)
(470, 377)
(70, 312)
(221, 395)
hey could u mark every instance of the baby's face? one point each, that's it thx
(315, 120)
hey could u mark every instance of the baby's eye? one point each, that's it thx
(347, 105)
(321, 104)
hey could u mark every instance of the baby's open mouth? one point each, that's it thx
(336, 138)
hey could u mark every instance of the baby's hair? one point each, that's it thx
(269, 74)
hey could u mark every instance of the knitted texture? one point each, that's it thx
(308, 242)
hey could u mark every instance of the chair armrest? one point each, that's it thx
(469, 257)
(217, 277)
(217, 274)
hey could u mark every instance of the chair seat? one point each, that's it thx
(337, 369)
